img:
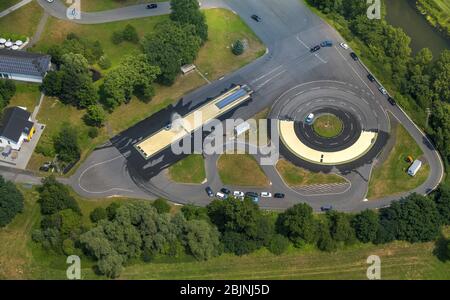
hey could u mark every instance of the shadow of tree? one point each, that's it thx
(441, 249)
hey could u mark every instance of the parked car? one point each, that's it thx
(371, 78)
(309, 118)
(238, 194)
(253, 196)
(354, 56)
(152, 6)
(50, 1)
(256, 18)
(344, 45)
(266, 195)
(392, 101)
(315, 49)
(326, 44)
(209, 191)
(221, 196)
(225, 191)
(326, 208)
(45, 167)
(382, 90)
(278, 195)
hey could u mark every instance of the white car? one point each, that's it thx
(221, 195)
(238, 194)
(309, 119)
(50, 1)
(344, 45)
(382, 90)
(266, 195)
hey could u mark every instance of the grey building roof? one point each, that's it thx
(14, 123)
(24, 63)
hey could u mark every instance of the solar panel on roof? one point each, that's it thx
(231, 98)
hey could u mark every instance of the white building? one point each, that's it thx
(16, 127)
(23, 66)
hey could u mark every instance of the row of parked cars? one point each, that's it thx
(225, 193)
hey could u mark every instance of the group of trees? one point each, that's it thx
(7, 91)
(66, 144)
(422, 81)
(11, 201)
(129, 34)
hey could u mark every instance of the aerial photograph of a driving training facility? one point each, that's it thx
(224, 140)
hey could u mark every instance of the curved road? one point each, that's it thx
(289, 29)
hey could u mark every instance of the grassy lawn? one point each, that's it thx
(328, 126)
(214, 58)
(188, 170)
(391, 177)
(99, 5)
(241, 170)
(22, 21)
(5, 4)
(295, 176)
(27, 95)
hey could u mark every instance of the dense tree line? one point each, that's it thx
(11, 201)
(7, 91)
(422, 82)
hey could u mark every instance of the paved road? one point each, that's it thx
(288, 29)
(14, 8)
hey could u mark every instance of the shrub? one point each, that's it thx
(238, 48)
(104, 62)
(98, 214)
(278, 244)
(161, 205)
(11, 201)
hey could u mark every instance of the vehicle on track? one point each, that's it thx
(354, 56)
(326, 44)
(278, 195)
(344, 45)
(309, 119)
(256, 18)
(152, 6)
(266, 195)
(315, 49)
(209, 192)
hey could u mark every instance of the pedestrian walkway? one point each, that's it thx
(14, 7)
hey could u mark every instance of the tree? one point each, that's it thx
(238, 243)
(192, 212)
(170, 47)
(187, 12)
(104, 62)
(442, 200)
(440, 124)
(278, 244)
(95, 115)
(110, 265)
(66, 144)
(130, 34)
(298, 224)
(202, 239)
(441, 76)
(7, 91)
(11, 201)
(161, 205)
(340, 228)
(324, 240)
(55, 196)
(366, 225)
(76, 82)
(52, 84)
(99, 213)
(238, 48)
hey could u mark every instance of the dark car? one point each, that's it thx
(152, 6)
(315, 48)
(326, 44)
(354, 56)
(326, 208)
(392, 101)
(225, 191)
(278, 195)
(256, 18)
(209, 191)
(371, 78)
(253, 196)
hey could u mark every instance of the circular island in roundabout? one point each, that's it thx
(328, 124)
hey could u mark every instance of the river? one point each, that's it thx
(403, 14)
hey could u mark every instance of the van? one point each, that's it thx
(414, 168)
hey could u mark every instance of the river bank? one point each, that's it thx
(437, 13)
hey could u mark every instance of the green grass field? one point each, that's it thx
(390, 177)
(437, 13)
(99, 5)
(327, 126)
(27, 95)
(295, 176)
(5, 4)
(22, 21)
(188, 170)
(215, 58)
(241, 170)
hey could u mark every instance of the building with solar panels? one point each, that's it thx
(23, 66)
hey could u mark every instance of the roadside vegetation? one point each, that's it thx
(100, 5)
(230, 239)
(188, 170)
(5, 4)
(297, 177)
(437, 13)
(117, 52)
(391, 177)
(241, 170)
(416, 82)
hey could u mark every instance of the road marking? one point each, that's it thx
(317, 55)
(270, 79)
(302, 42)
(267, 74)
